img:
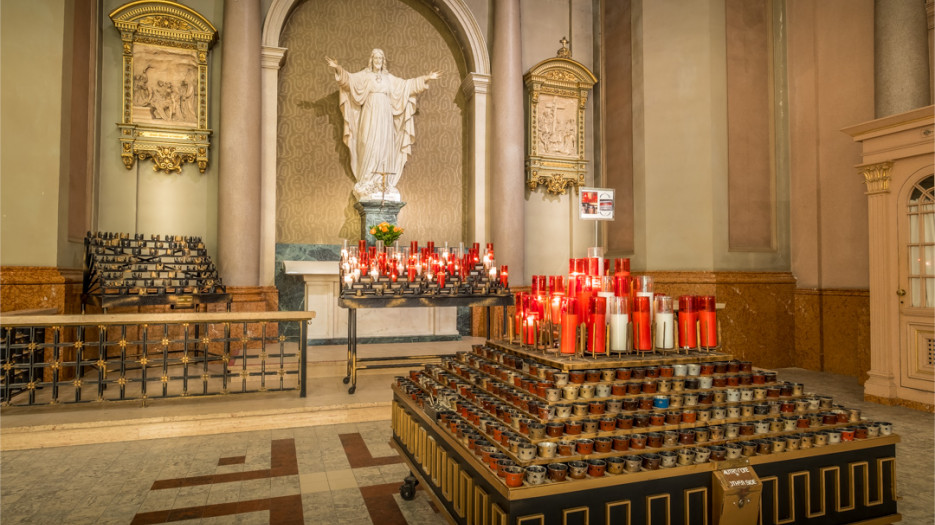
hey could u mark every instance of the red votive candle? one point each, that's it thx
(362, 247)
(555, 308)
(642, 334)
(594, 266)
(597, 326)
(569, 326)
(518, 313)
(688, 318)
(529, 329)
(504, 276)
(558, 287)
(440, 276)
(707, 315)
(584, 299)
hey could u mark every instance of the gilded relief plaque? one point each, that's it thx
(557, 95)
(165, 84)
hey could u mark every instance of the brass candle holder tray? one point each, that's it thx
(125, 270)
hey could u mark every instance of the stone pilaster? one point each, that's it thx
(239, 158)
(507, 187)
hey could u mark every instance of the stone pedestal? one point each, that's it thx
(375, 212)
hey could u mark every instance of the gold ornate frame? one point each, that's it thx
(556, 97)
(165, 84)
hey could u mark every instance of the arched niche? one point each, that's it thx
(474, 86)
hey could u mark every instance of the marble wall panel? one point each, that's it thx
(40, 287)
(757, 321)
(807, 350)
(846, 332)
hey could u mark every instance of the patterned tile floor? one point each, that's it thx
(343, 474)
(315, 473)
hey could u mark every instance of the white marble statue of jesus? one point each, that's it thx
(378, 129)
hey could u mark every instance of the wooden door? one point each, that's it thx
(917, 283)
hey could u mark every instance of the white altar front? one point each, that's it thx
(321, 296)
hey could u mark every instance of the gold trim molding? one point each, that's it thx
(556, 98)
(164, 113)
(877, 177)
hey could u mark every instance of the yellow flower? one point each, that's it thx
(383, 228)
(373, 231)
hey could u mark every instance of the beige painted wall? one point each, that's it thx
(830, 87)
(31, 43)
(680, 134)
(553, 231)
(140, 200)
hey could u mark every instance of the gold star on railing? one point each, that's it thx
(263, 356)
(165, 341)
(77, 383)
(205, 377)
(78, 345)
(244, 339)
(122, 381)
(31, 385)
(185, 359)
(282, 338)
(143, 361)
(57, 328)
(226, 357)
(244, 374)
(281, 372)
(7, 367)
(32, 346)
(101, 364)
(55, 365)
(164, 379)
(184, 325)
(205, 339)
(123, 343)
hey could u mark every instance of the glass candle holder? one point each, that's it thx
(664, 322)
(688, 318)
(707, 317)
(642, 339)
(569, 325)
(619, 318)
(597, 325)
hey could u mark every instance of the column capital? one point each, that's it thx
(475, 83)
(876, 177)
(271, 57)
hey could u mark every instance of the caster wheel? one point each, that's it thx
(352, 389)
(346, 380)
(407, 491)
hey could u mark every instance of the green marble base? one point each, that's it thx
(375, 212)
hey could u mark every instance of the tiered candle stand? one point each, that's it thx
(673, 439)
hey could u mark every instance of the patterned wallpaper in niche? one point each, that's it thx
(314, 182)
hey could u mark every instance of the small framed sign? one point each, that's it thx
(596, 204)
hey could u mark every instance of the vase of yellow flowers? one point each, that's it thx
(386, 232)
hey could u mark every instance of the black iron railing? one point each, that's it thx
(47, 360)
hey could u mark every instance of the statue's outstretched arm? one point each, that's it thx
(333, 64)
